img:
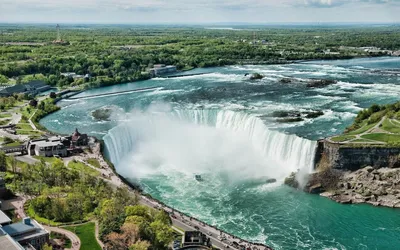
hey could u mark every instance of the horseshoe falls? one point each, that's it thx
(219, 125)
(237, 144)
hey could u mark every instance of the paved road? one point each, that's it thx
(189, 224)
(76, 242)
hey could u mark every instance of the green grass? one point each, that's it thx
(94, 162)
(12, 144)
(79, 166)
(390, 126)
(5, 115)
(86, 234)
(29, 210)
(361, 130)
(5, 122)
(342, 138)
(383, 137)
(362, 141)
(46, 159)
(28, 132)
(24, 126)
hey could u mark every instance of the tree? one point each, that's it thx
(3, 162)
(115, 241)
(140, 245)
(33, 103)
(53, 95)
(163, 234)
(138, 210)
(130, 232)
(3, 79)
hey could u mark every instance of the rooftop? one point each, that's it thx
(36, 84)
(6, 242)
(22, 230)
(4, 219)
(47, 143)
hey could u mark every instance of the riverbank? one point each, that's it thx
(377, 187)
(218, 237)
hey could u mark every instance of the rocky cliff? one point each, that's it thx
(353, 157)
(349, 174)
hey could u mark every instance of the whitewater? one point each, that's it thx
(218, 125)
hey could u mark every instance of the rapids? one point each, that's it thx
(218, 125)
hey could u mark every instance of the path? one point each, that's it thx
(96, 233)
(31, 123)
(374, 129)
(19, 202)
(76, 242)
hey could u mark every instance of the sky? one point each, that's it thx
(199, 11)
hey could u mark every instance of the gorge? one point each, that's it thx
(217, 125)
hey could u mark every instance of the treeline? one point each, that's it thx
(117, 54)
(65, 195)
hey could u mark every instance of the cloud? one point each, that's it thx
(184, 11)
(335, 3)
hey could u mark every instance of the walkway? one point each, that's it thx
(76, 242)
(19, 202)
(374, 129)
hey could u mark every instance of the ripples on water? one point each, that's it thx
(236, 153)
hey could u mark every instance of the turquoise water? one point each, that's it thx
(216, 125)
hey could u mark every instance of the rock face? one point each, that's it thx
(378, 187)
(333, 155)
(351, 175)
(102, 114)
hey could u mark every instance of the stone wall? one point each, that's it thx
(339, 156)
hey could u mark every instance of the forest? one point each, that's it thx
(113, 54)
(73, 194)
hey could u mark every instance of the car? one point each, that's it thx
(196, 227)
(209, 233)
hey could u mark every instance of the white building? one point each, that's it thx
(47, 148)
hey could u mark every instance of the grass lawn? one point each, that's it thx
(28, 132)
(362, 141)
(86, 234)
(94, 162)
(24, 126)
(363, 129)
(5, 115)
(382, 137)
(342, 138)
(46, 159)
(4, 122)
(79, 166)
(391, 126)
(12, 144)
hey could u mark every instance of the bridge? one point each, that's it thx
(114, 93)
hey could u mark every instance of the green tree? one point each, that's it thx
(3, 79)
(163, 234)
(3, 161)
(140, 245)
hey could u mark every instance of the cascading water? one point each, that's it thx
(193, 141)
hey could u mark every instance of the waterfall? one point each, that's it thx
(234, 141)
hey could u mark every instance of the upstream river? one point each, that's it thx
(219, 125)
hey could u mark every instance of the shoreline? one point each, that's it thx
(150, 201)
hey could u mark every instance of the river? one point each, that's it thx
(218, 125)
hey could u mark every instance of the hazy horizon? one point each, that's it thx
(199, 12)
